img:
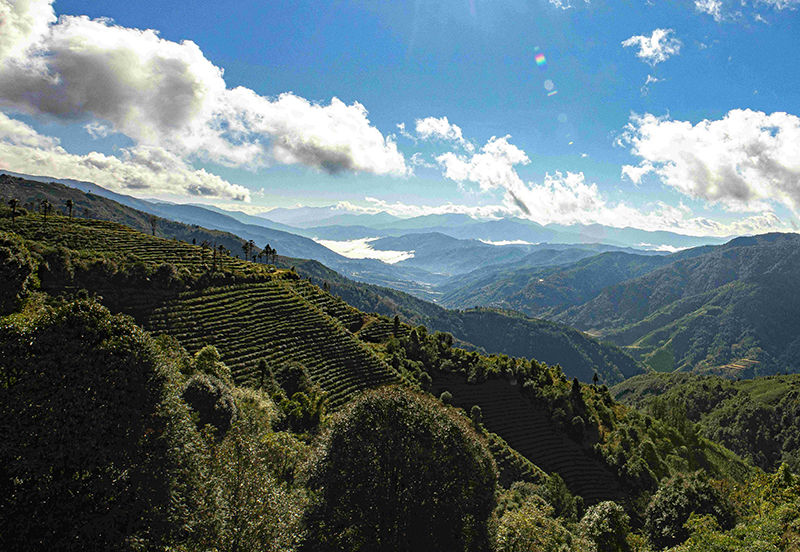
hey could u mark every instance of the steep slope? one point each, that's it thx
(549, 290)
(272, 321)
(530, 338)
(492, 330)
(758, 418)
(732, 310)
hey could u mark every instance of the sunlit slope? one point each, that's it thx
(272, 321)
(732, 311)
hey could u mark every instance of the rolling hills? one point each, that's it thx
(730, 310)
(511, 334)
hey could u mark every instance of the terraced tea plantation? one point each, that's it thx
(110, 237)
(531, 432)
(273, 321)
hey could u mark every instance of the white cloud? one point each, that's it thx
(168, 95)
(645, 89)
(23, 25)
(404, 210)
(492, 168)
(728, 10)
(141, 170)
(657, 47)
(431, 127)
(563, 4)
(361, 249)
(746, 161)
(507, 242)
(710, 7)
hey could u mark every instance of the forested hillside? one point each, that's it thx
(731, 310)
(251, 424)
(758, 418)
(510, 334)
(547, 291)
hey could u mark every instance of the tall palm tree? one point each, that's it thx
(46, 206)
(251, 245)
(267, 252)
(70, 204)
(14, 203)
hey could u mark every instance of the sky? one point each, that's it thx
(679, 116)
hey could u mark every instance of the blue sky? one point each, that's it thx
(679, 116)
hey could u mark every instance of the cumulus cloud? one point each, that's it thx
(23, 25)
(655, 48)
(405, 210)
(139, 169)
(745, 161)
(168, 95)
(441, 129)
(710, 7)
(567, 198)
(492, 168)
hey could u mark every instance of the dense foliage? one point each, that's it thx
(759, 419)
(397, 471)
(89, 432)
(243, 424)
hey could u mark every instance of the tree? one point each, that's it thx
(222, 250)
(608, 526)
(204, 246)
(153, 221)
(91, 435)
(46, 206)
(679, 497)
(245, 249)
(531, 527)
(268, 252)
(13, 203)
(396, 471)
(70, 204)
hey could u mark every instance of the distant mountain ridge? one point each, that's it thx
(732, 310)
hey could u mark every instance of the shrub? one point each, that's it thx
(212, 401)
(531, 527)
(91, 438)
(207, 361)
(17, 272)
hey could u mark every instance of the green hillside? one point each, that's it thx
(183, 439)
(730, 311)
(509, 333)
(758, 418)
(547, 291)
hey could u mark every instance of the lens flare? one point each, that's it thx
(541, 62)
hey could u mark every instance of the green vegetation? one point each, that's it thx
(257, 411)
(396, 471)
(758, 419)
(730, 311)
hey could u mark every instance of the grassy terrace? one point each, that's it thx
(110, 237)
(531, 432)
(272, 321)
